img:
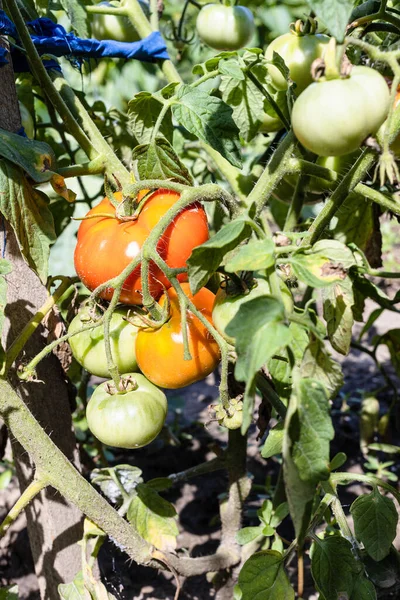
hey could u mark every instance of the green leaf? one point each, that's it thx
(338, 302)
(75, 590)
(143, 112)
(388, 448)
(35, 158)
(247, 103)
(77, 15)
(206, 259)
(263, 577)
(363, 589)
(212, 63)
(27, 211)
(334, 14)
(281, 370)
(5, 268)
(392, 341)
(9, 593)
(354, 222)
(248, 534)
(230, 67)
(154, 518)
(318, 364)
(255, 255)
(375, 521)
(310, 430)
(259, 332)
(210, 119)
(128, 476)
(333, 567)
(384, 574)
(158, 160)
(274, 442)
(327, 262)
(5, 478)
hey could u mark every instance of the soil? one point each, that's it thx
(196, 501)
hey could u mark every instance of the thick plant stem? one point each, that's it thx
(347, 185)
(270, 395)
(63, 476)
(277, 168)
(29, 493)
(378, 197)
(216, 464)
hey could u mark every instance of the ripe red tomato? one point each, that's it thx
(106, 245)
(159, 352)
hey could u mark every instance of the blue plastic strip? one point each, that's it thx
(52, 38)
(3, 57)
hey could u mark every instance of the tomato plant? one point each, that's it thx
(88, 347)
(194, 139)
(108, 244)
(129, 419)
(225, 27)
(357, 106)
(299, 52)
(160, 351)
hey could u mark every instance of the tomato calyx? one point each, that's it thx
(230, 415)
(307, 27)
(126, 384)
(234, 285)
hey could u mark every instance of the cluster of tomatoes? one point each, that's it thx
(108, 243)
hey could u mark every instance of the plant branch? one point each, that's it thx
(33, 489)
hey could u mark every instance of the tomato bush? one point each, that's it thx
(160, 351)
(107, 244)
(248, 228)
(225, 27)
(357, 107)
(88, 347)
(130, 419)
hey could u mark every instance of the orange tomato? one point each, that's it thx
(159, 352)
(106, 245)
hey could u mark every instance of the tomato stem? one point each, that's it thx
(33, 489)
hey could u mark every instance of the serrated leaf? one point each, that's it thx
(334, 14)
(230, 67)
(212, 63)
(154, 518)
(158, 160)
(334, 568)
(310, 430)
(338, 301)
(248, 534)
(318, 364)
(247, 103)
(375, 521)
(206, 259)
(255, 255)
(143, 112)
(274, 442)
(327, 262)
(9, 593)
(263, 577)
(27, 211)
(210, 119)
(35, 158)
(77, 15)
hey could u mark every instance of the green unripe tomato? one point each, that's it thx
(333, 117)
(298, 52)
(88, 347)
(130, 419)
(27, 121)
(225, 27)
(114, 27)
(226, 306)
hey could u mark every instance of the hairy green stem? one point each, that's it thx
(378, 197)
(371, 480)
(33, 489)
(94, 167)
(19, 343)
